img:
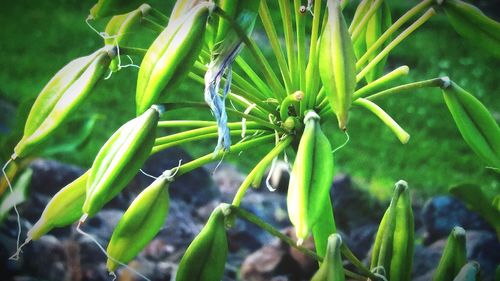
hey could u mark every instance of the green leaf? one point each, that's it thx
(18, 195)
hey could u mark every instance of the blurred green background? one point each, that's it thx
(38, 38)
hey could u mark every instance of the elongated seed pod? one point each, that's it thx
(393, 247)
(139, 224)
(475, 123)
(106, 8)
(376, 26)
(182, 8)
(337, 63)
(323, 228)
(332, 268)
(360, 43)
(59, 98)
(169, 58)
(454, 256)
(471, 23)
(205, 258)
(469, 272)
(119, 27)
(311, 177)
(120, 159)
(63, 209)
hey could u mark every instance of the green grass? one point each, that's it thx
(39, 40)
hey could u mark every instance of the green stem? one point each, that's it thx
(159, 147)
(349, 255)
(261, 165)
(267, 22)
(268, 73)
(312, 68)
(286, 18)
(289, 100)
(301, 49)
(436, 82)
(234, 149)
(381, 82)
(273, 231)
(202, 131)
(192, 123)
(392, 29)
(357, 30)
(261, 85)
(394, 43)
(132, 51)
(183, 105)
(239, 100)
(402, 135)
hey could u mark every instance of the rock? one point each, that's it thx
(440, 214)
(196, 187)
(49, 176)
(361, 239)
(102, 225)
(483, 247)
(426, 259)
(227, 178)
(344, 196)
(279, 178)
(46, 259)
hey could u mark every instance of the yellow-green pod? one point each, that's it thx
(376, 26)
(469, 272)
(311, 177)
(105, 8)
(119, 27)
(454, 256)
(337, 63)
(205, 258)
(59, 98)
(471, 23)
(475, 123)
(331, 268)
(182, 8)
(393, 247)
(169, 58)
(63, 209)
(120, 159)
(139, 224)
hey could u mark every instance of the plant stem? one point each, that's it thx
(273, 231)
(301, 50)
(192, 123)
(348, 254)
(159, 15)
(436, 82)
(132, 51)
(394, 43)
(234, 149)
(165, 145)
(270, 29)
(402, 135)
(312, 66)
(261, 165)
(268, 73)
(381, 82)
(261, 85)
(202, 131)
(393, 28)
(286, 18)
(263, 122)
(356, 30)
(289, 100)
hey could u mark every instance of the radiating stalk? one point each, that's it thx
(381, 82)
(395, 42)
(436, 82)
(300, 23)
(286, 17)
(312, 66)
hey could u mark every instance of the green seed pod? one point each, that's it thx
(332, 268)
(311, 177)
(469, 272)
(454, 256)
(140, 223)
(63, 209)
(182, 7)
(169, 58)
(119, 27)
(476, 124)
(376, 26)
(205, 258)
(235, 9)
(360, 43)
(394, 245)
(105, 8)
(59, 98)
(471, 23)
(337, 63)
(120, 159)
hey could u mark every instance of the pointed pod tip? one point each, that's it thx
(458, 232)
